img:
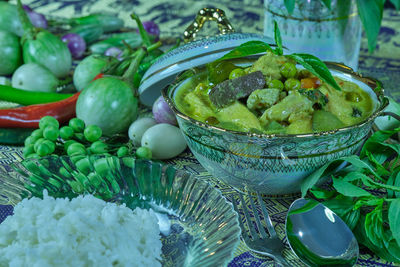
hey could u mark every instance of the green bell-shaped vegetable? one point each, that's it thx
(42, 47)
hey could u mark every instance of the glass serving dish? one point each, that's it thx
(204, 228)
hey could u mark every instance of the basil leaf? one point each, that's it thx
(327, 3)
(322, 193)
(349, 189)
(247, 49)
(278, 39)
(374, 227)
(317, 67)
(289, 4)
(351, 218)
(340, 205)
(371, 12)
(394, 219)
(369, 202)
(396, 3)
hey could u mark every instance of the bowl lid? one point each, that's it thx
(190, 55)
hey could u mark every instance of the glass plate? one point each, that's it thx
(204, 227)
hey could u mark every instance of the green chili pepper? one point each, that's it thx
(23, 97)
(90, 32)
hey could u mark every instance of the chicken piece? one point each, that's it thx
(263, 98)
(300, 126)
(239, 116)
(269, 64)
(293, 103)
(198, 107)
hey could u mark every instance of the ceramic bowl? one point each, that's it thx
(202, 227)
(273, 164)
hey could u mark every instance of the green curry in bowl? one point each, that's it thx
(271, 96)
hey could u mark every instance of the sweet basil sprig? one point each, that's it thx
(366, 194)
(309, 62)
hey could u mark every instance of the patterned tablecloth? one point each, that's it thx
(246, 16)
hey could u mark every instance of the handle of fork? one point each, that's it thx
(281, 260)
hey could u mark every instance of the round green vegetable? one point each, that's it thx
(48, 120)
(277, 84)
(87, 69)
(98, 147)
(10, 51)
(77, 125)
(51, 133)
(34, 77)
(9, 20)
(143, 153)
(92, 133)
(108, 103)
(76, 149)
(66, 132)
(288, 70)
(122, 151)
(292, 84)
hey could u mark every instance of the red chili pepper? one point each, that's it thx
(98, 76)
(29, 116)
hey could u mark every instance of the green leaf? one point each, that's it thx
(351, 218)
(394, 180)
(371, 17)
(290, 4)
(394, 250)
(247, 49)
(396, 3)
(374, 227)
(278, 39)
(349, 189)
(327, 3)
(380, 170)
(322, 193)
(368, 202)
(340, 205)
(317, 67)
(394, 219)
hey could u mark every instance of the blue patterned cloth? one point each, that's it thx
(247, 16)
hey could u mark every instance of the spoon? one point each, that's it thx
(318, 236)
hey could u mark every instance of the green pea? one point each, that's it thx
(76, 149)
(48, 120)
(43, 149)
(236, 73)
(288, 70)
(51, 145)
(37, 143)
(92, 133)
(29, 149)
(68, 143)
(37, 133)
(77, 125)
(122, 151)
(51, 133)
(66, 132)
(31, 140)
(292, 84)
(143, 153)
(98, 147)
(277, 84)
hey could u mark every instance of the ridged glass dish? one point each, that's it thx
(204, 228)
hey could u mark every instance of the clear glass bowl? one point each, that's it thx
(204, 227)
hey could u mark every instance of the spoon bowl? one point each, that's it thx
(318, 236)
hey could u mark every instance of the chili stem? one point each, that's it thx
(23, 97)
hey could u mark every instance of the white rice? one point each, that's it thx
(84, 231)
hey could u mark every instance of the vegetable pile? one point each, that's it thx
(112, 60)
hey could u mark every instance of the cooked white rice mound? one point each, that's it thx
(85, 231)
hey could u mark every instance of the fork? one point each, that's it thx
(264, 244)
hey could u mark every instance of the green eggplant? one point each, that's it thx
(89, 32)
(44, 48)
(108, 22)
(9, 20)
(10, 53)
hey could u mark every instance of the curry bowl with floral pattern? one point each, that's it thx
(272, 164)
